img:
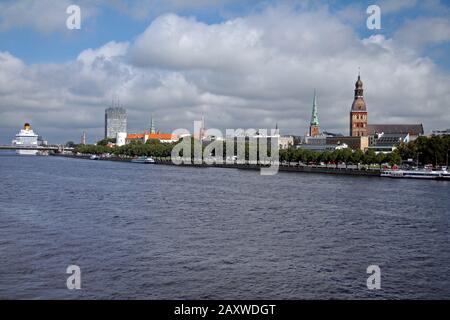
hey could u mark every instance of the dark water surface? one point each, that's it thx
(164, 232)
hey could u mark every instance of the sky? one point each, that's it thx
(240, 64)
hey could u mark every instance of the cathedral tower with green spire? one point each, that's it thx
(314, 128)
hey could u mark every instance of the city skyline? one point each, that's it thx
(283, 53)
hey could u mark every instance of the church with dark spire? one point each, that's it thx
(314, 127)
(358, 112)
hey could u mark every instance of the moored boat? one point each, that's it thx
(143, 160)
(441, 174)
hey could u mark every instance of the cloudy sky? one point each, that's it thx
(241, 64)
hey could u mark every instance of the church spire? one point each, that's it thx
(358, 113)
(314, 116)
(152, 125)
(314, 124)
(358, 103)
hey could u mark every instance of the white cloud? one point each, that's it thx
(107, 52)
(175, 42)
(394, 6)
(141, 9)
(423, 31)
(246, 72)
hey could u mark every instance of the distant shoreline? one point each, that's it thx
(282, 168)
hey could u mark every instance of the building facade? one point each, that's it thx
(413, 130)
(354, 143)
(441, 132)
(358, 112)
(144, 137)
(121, 139)
(285, 142)
(115, 121)
(388, 142)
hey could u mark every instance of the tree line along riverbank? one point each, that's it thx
(424, 150)
(283, 167)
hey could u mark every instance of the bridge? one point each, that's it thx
(39, 148)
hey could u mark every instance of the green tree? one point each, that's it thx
(70, 144)
(357, 157)
(380, 158)
(395, 158)
(369, 157)
(346, 155)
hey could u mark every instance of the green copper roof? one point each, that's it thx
(314, 116)
(152, 125)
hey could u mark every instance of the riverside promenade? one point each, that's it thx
(292, 167)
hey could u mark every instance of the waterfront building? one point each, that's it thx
(332, 134)
(143, 137)
(359, 126)
(115, 121)
(413, 130)
(285, 142)
(314, 127)
(135, 137)
(441, 132)
(322, 147)
(121, 139)
(358, 112)
(162, 137)
(355, 143)
(388, 142)
(316, 140)
(321, 143)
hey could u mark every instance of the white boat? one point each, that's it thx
(26, 138)
(441, 174)
(143, 160)
(94, 157)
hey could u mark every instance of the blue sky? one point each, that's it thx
(110, 23)
(238, 63)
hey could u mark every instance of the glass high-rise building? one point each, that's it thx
(115, 121)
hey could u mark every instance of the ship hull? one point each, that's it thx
(424, 175)
(27, 152)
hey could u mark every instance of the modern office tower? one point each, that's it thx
(115, 121)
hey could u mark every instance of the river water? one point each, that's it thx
(165, 232)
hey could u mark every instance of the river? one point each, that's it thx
(165, 232)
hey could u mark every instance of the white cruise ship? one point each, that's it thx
(26, 138)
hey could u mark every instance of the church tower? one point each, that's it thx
(314, 129)
(152, 125)
(358, 113)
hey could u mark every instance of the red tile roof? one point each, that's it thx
(159, 136)
(162, 136)
(135, 136)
